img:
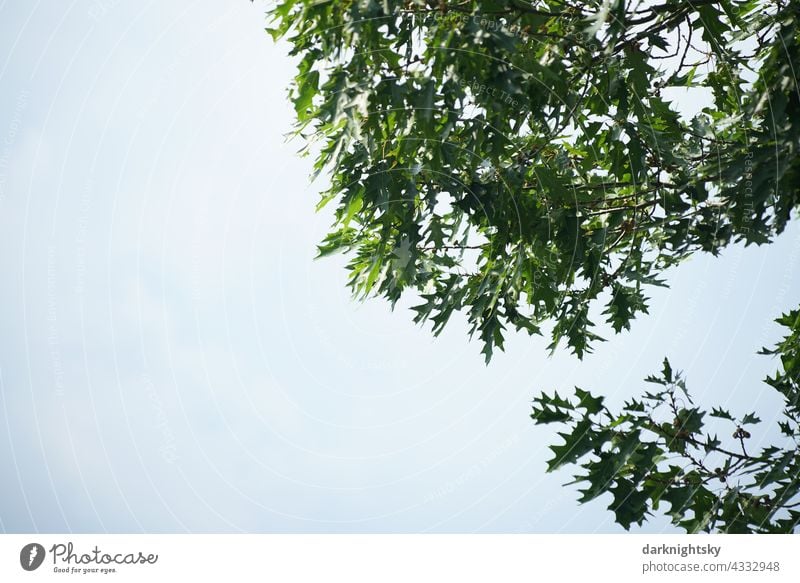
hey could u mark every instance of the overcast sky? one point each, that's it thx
(173, 359)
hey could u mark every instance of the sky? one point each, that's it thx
(173, 359)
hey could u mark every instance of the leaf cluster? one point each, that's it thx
(661, 453)
(522, 162)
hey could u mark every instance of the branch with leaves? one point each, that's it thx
(661, 450)
(545, 130)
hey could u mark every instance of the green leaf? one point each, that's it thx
(592, 404)
(721, 413)
(307, 88)
(750, 419)
(576, 444)
(691, 420)
(629, 505)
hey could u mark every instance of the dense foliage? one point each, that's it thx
(523, 161)
(545, 161)
(659, 449)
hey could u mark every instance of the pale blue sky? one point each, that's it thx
(172, 359)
